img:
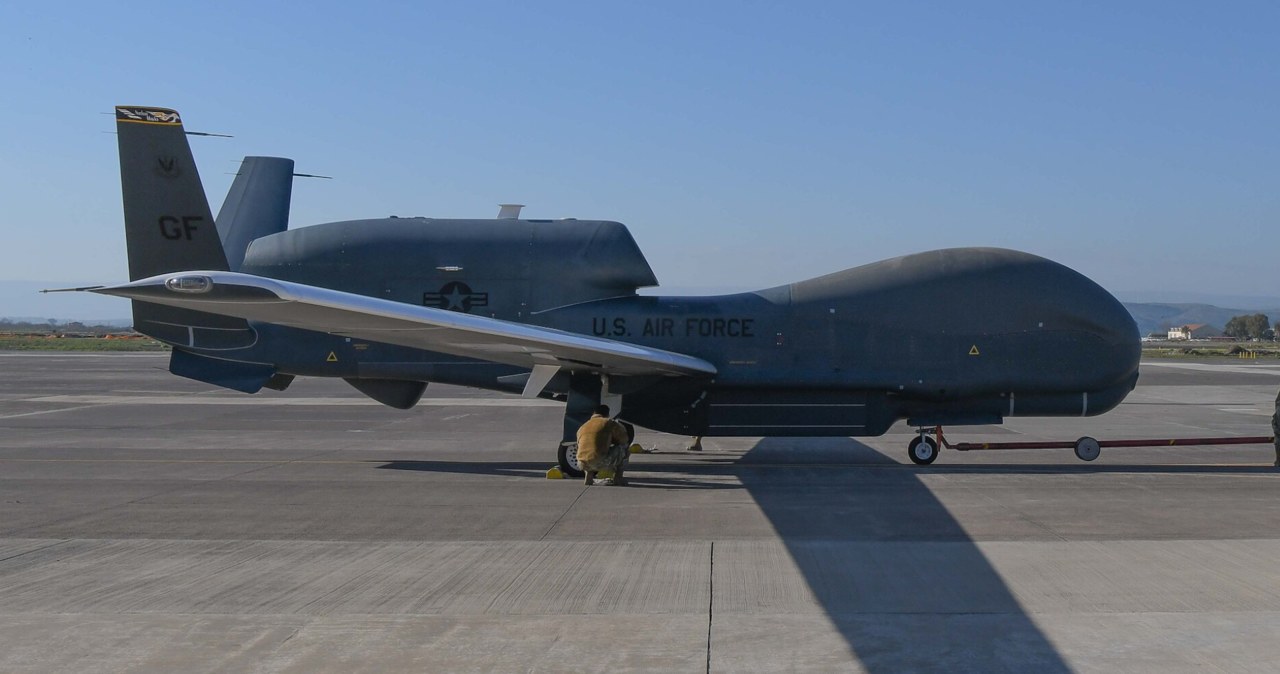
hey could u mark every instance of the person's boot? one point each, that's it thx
(617, 478)
(591, 478)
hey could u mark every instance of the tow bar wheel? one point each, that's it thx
(923, 450)
(1087, 449)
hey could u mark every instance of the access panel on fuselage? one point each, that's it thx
(765, 412)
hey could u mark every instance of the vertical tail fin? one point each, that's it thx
(168, 227)
(257, 205)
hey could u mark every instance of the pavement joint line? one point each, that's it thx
(83, 407)
(140, 499)
(551, 528)
(250, 461)
(711, 599)
(985, 494)
(43, 547)
(275, 464)
(34, 414)
(401, 554)
(72, 517)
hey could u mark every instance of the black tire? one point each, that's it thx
(567, 457)
(1087, 449)
(923, 450)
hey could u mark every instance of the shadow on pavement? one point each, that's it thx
(897, 575)
(539, 468)
(510, 468)
(733, 465)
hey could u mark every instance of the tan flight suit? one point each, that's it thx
(1275, 429)
(602, 445)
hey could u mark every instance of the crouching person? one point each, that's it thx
(1275, 430)
(602, 445)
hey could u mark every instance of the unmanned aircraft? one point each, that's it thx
(549, 308)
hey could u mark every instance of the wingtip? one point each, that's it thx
(71, 290)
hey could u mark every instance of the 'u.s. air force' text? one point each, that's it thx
(673, 327)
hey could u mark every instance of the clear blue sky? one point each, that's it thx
(745, 144)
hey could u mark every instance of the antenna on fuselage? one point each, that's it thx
(509, 211)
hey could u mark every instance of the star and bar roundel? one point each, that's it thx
(455, 296)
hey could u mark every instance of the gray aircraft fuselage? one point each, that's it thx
(958, 336)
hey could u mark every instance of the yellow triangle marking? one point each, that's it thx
(974, 350)
(333, 358)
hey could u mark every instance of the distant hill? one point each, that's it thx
(1157, 317)
(20, 300)
(37, 321)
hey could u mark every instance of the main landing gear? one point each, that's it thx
(567, 454)
(567, 457)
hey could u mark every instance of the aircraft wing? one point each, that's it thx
(257, 298)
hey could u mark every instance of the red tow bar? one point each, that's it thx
(1065, 444)
(1087, 447)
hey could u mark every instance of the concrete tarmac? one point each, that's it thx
(150, 523)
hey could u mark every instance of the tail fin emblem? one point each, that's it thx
(168, 167)
(147, 115)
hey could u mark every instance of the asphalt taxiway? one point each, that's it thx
(151, 523)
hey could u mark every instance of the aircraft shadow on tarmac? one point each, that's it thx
(508, 468)
(897, 575)
(737, 464)
(895, 572)
(538, 468)
(824, 453)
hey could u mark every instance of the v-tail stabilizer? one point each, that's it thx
(257, 205)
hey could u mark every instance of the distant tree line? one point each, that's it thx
(1252, 326)
(54, 327)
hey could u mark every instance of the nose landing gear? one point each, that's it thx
(923, 449)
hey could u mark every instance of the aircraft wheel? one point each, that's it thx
(1087, 449)
(567, 457)
(923, 450)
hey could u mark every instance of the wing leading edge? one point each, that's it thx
(257, 298)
